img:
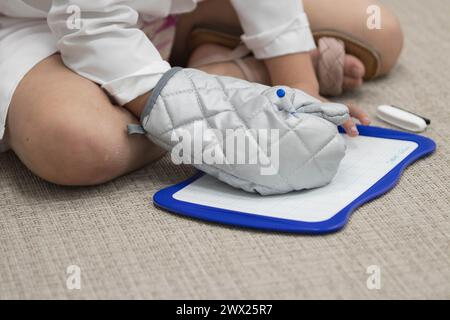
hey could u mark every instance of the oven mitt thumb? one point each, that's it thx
(269, 140)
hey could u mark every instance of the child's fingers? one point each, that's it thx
(359, 113)
(350, 128)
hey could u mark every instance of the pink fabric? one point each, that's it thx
(330, 67)
(161, 33)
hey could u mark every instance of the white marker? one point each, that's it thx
(402, 118)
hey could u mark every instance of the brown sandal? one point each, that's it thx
(330, 66)
(332, 47)
(238, 56)
(365, 53)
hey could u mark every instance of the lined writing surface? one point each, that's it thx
(367, 160)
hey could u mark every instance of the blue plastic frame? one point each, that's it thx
(165, 200)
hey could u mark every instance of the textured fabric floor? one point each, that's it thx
(128, 249)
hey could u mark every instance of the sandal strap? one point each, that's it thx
(237, 56)
(330, 66)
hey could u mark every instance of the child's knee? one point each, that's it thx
(70, 152)
(392, 38)
(85, 159)
(81, 159)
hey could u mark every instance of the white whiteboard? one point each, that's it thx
(367, 160)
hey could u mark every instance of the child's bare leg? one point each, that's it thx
(230, 69)
(353, 68)
(65, 130)
(349, 16)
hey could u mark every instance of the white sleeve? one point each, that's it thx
(106, 46)
(274, 28)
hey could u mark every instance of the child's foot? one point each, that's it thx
(353, 69)
(225, 66)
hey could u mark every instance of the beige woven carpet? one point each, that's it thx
(128, 249)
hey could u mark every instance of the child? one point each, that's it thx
(74, 72)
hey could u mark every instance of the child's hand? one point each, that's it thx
(354, 110)
(296, 71)
(358, 113)
(280, 174)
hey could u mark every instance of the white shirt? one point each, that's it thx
(112, 51)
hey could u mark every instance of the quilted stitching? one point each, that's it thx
(248, 127)
(192, 96)
(313, 155)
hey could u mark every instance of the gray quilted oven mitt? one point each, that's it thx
(301, 149)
